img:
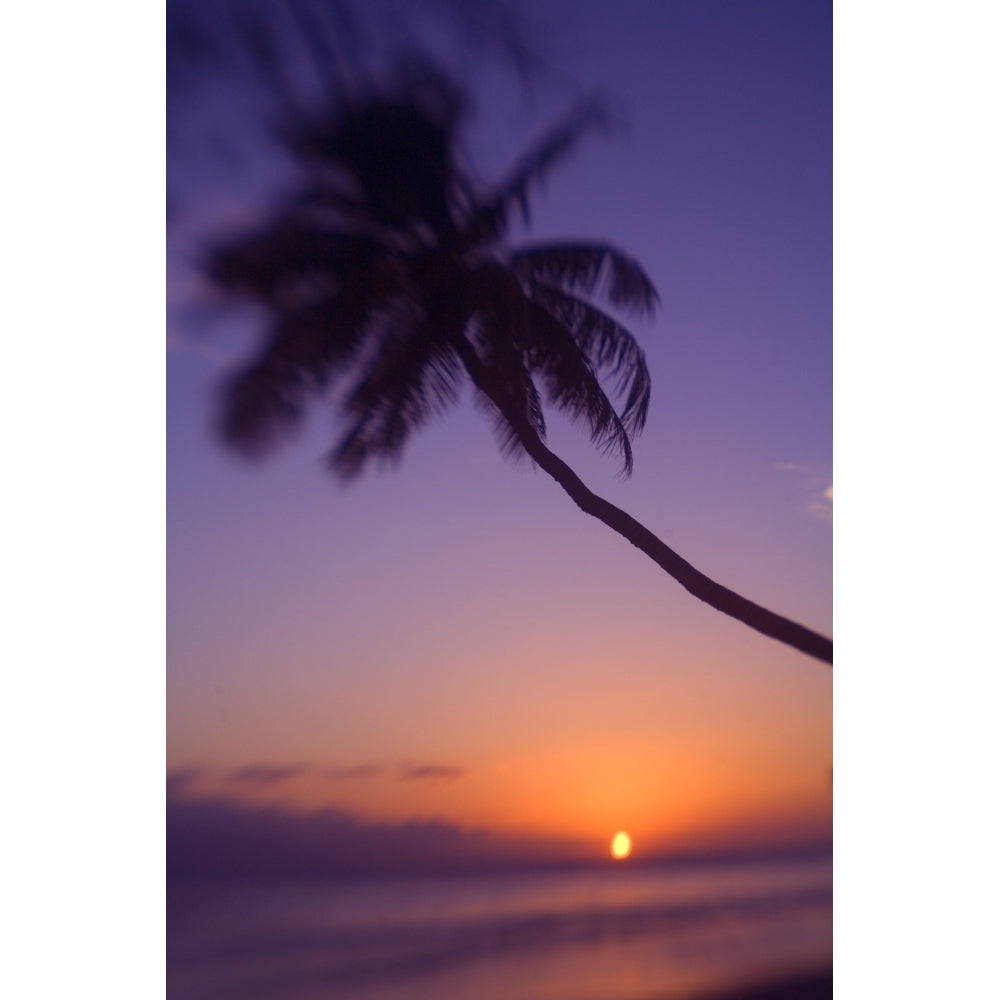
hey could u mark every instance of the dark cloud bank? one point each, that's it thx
(220, 838)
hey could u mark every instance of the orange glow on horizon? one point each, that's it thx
(664, 794)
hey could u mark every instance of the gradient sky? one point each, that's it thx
(453, 639)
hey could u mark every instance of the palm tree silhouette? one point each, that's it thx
(387, 267)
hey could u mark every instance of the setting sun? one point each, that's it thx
(621, 845)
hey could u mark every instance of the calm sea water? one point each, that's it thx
(622, 933)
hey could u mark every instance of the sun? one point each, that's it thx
(621, 845)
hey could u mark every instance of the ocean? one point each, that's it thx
(625, 932)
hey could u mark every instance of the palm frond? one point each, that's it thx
(517, 338)
(490, 221)
(571, 384)
(265, 402)
(593, 268)
(498, 331)
(261, 406)
(275, 264)
(506, 373)
(412, 376)
(608, 345)
(508, 438)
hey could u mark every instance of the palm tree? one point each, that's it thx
(390, 269)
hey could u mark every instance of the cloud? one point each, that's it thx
(432, 772)
(811, 479)
(181, 780)
(822, 507)
(265, 775)
(352, 773)
(220, 838)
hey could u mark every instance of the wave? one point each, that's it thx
(285, 961)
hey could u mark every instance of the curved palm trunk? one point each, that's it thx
(692, 580)
(695, 582)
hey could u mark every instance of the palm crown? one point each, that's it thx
(389, 268)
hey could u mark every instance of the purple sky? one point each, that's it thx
(459, 613)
